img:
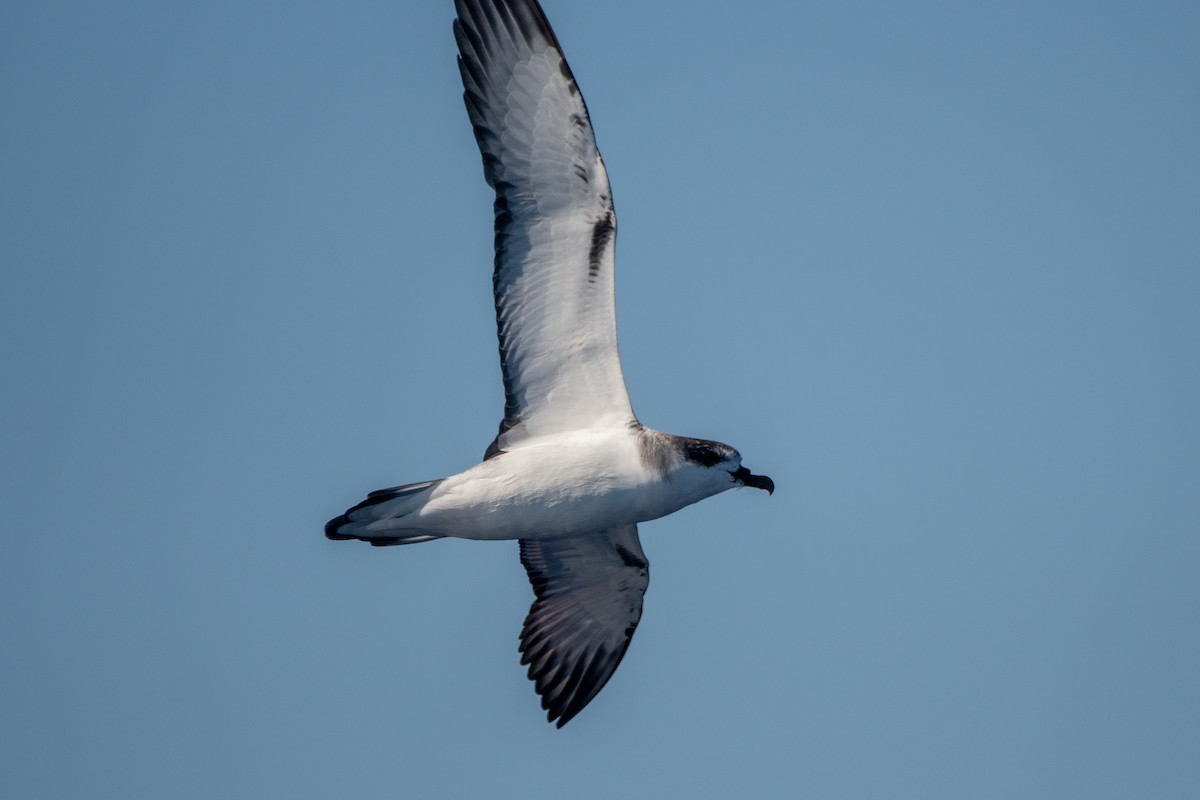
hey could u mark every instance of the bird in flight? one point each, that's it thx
(571, 472)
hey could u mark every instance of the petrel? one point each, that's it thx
(571, 472)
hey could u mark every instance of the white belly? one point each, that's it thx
(582, 483)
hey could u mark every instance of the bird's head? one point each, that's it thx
(723, 464)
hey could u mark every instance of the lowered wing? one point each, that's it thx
(588, 592)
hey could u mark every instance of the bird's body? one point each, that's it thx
(569, 484)
(572, 471)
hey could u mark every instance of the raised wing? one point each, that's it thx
(555, 225)
(588, 602)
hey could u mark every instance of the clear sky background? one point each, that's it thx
(933, 266)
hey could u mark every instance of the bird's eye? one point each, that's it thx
(703, 454)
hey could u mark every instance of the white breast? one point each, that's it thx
(562, 485)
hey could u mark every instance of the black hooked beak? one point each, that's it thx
(744, 477)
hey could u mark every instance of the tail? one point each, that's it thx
(376, 519)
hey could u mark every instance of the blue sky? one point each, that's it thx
(934, 267)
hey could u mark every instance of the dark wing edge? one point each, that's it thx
(588, 600)
(490, 33)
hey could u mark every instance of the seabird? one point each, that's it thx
(571, 472)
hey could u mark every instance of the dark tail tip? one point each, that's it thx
(331, 529)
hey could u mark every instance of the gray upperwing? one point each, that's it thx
(588, 600)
